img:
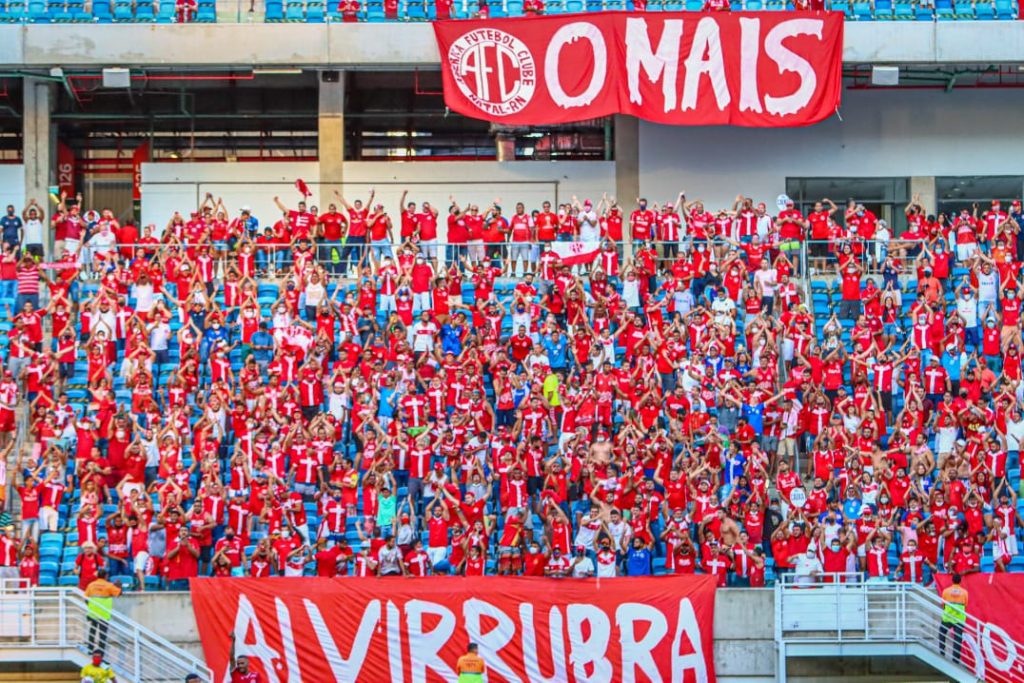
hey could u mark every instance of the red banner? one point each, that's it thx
(992, 651)
(528, 629)
(762, 69)
(140, 155)
(65, 169)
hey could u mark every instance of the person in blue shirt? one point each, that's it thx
(452, 334)
(11, 224)
(734, 464)
(262, 344)
(638, 559)
(557, 349)
(853, 505)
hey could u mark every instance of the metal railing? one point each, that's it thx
(58, 619)
(844, 609)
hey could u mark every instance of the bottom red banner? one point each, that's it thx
(536, 630)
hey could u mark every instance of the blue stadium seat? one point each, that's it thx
(101, 11)
(37, 12)
(123, 11)
(694, 5)
(573, 6)
(883, 9)
(944, 10)
(514, 8)
(923, 13)
(274, 11)
(144, 12)
(862, 11)
(985, 11)
(1005, 9)
(315, 11)
(295, 11)
(206, 13)
(964, 9)
(166, 13)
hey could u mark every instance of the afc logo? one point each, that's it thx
(494, 70)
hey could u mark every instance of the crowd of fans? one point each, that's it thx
(340, 393)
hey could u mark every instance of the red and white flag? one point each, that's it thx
(576, 253)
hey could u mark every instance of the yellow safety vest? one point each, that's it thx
(100, 608)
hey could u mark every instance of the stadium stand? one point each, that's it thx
(683, 391)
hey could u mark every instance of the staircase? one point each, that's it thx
(843, 615)
(51, 625)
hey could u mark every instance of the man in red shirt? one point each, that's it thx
(849, 305)
(182, 560)
(330, 227)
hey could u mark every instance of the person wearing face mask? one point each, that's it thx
(807, 567)
(12, 225)
(97, 670)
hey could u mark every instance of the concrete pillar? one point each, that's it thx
(331, 138)
(627, 170)
(37, 146)
(924, 185)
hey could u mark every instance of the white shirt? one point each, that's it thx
(33, 231)
(968, 310)
(583, 568)
(423, 336)
(723, 308)
(768, 278)
(806, 567)
(159, 336)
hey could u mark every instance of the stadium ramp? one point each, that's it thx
(53, 625)
(842, 615)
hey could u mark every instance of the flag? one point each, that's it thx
(303, 189)
(575, 253)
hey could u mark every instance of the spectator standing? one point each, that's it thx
(100, 594)
(954, 616)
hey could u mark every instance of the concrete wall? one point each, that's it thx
(898, 133)
(396, 44)
(169, 187)
(12, 188)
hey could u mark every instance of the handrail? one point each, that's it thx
(845, 608)
(59, 618)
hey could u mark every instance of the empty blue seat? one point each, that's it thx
(964, 9)
(144, 13)
(862, 11)
(923, 13)
(315, 11)
(1005, 9)
(514, 8)
(572, 6)
(694, 5)
(985, 11)
(943, 9)
(274, 11)
(417, 10)
(101, 11)
(295, 11)
(206, 14)
(123, 11)
(166, 12)
(883, 9)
